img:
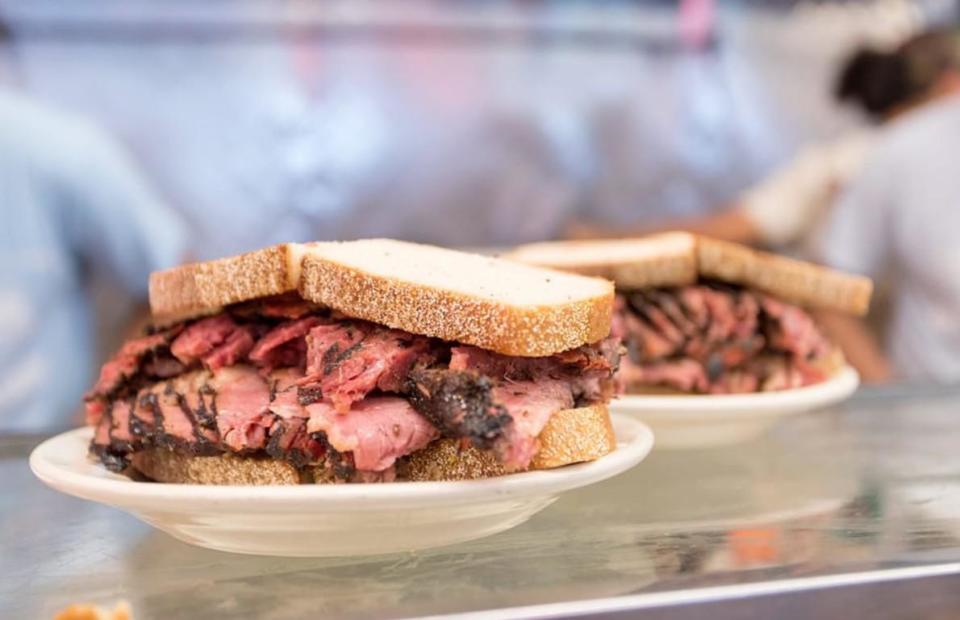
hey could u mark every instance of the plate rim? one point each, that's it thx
(835, 389)
(634, 443)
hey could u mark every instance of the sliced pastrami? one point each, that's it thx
(377, 430)
(530, 404)
(202, 337)
(381, 360)
(273, 349)
(126, 363)
(459, 404)
(234, 349)
(793, 330)
(685, 375)
(242, 402)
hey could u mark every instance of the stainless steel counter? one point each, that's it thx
(854, 511)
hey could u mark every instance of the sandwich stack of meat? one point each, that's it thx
(359, 361)
(698, 315)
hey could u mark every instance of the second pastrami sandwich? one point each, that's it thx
(360, 361)
(698, 315)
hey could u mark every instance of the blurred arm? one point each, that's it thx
(859, 346)
(777, 211)
(857, 239)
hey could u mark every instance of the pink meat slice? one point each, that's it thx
(747, 310)
(796, 332)
(94, 410)
(161, 407)
(286, 401)
(120, 412)
(488, 363)
(652, 345)
(243, 400)
(663, 325)
(684, 375)
(694, 303)
(126, 362)
(380, 361)
(723, 322)
(530, 404)
(376, 430)
(143, 413)
(288, 432)
(199, 399)
(233, 349)
(191, 385)
(101, 436)
(202, 337)
(600, 357)
(263, 353)
(327, 343)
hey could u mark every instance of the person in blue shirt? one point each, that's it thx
(73, 204)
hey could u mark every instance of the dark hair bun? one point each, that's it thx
(876, 81)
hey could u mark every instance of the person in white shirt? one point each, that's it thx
(901, 218)
(788, 209)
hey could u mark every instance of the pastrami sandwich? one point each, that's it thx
(699, 315)
(359, 361)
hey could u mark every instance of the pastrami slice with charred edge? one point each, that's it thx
(126, 363)
(376, 359)
(459, 404)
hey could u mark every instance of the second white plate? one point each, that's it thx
(695, 421)
(330, 520)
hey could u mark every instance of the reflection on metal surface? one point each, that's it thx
(825, 499)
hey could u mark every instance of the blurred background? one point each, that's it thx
(137, 134)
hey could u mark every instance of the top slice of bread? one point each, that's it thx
(484, 301)
(678, 259)
(796, 281)
(667, 259)
(199, 289)
(480, 300)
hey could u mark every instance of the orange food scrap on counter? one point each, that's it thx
(755, 546)
(85, 611)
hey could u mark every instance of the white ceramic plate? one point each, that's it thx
(330, 520)
(682, 422)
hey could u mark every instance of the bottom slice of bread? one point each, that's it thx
(570, 436)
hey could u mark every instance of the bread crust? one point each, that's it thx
(482, 320)
(164, 465)
(792, 280)
(666, 260)
(570, 436)
(199, 289)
